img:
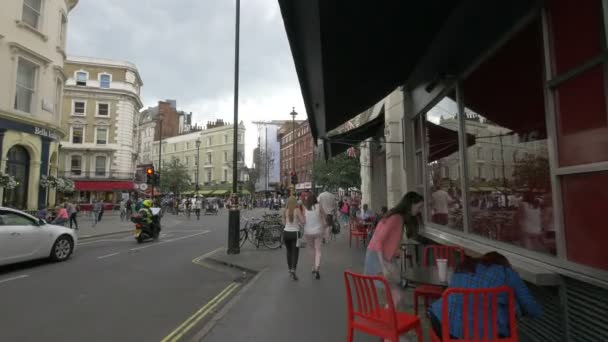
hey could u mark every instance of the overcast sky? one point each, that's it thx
(184, 50)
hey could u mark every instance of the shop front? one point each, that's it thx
(106, 191)
(510, 121)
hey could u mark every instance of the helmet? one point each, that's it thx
(147, 203)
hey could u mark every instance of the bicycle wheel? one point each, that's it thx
(272, 237)
(243, 236)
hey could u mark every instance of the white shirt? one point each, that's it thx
(292, 226)
(313, 221)
(327, 201)
(441, 200)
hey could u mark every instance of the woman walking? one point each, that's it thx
(73, 212)
(313, 231)
(293, 219)
(384, 245)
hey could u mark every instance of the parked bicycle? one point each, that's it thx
(259, 231)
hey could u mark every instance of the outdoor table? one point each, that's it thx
(425, 275)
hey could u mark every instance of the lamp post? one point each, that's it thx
(160, 150)
(198, 146)
(234, 216)
(293, 143)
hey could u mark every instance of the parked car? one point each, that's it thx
(24, 237)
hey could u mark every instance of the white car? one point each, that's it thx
(24, 237)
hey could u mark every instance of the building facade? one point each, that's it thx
(100, 109)
(32, 54)
(214, 154)
(268, 166)
(297, 155)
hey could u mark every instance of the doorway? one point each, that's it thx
(18, 166)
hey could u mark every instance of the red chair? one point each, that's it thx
(368, 315)
(487, 300)
(431, 292)
(357, 231)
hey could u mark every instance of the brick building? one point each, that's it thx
(302, 153)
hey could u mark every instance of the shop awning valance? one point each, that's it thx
(443, 141)
(339, 143)
(219, 192)
(351, 54)
(102, 186)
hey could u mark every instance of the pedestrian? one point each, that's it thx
(129, 209)
(100, 211)
(293, 220)
(95, 212)
(314, 224)
(123, 209)
(198, 207)
(41, 213)
(384, 245)
(327, 201)
(73, 212)
(61, 216)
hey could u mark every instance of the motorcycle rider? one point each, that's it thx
(147, 216)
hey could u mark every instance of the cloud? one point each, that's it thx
(184, 50)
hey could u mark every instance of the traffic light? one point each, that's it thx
(150, 175)
(294, 178)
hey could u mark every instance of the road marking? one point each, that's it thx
(168, 241)
(107, 255)
(14, 278)
(183, 328)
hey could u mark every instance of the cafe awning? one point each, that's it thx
(103, 186)
(219, 192)
(443, 141)
(336, 144)
(351, 54)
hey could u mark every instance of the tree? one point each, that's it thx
(174, 178)
(532, 172)
(340, 171)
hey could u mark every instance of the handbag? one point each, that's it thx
(301, 242)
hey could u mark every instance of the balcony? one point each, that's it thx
(77, 174)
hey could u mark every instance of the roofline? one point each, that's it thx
(71, 4)
(112, 63)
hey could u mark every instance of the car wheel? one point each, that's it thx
(62, 248)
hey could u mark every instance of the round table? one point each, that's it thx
(426, 276)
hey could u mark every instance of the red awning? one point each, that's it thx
(102, 186)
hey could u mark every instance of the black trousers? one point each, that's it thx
(290, 239)
(73, 219)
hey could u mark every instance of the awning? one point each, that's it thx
(103, 186)
(339, 143)
(350, 55)
(205, 192)
(443, 141)
(245, 192)
(219, 192)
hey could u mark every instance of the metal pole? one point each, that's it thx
(198, 147)
(266, 159)
(235, 215)
(293, 147)
(160, 146)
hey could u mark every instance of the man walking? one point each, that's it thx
(96, 211)
(328, 203)
(73, 212)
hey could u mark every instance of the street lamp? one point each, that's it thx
(293, 142)
(198, 146)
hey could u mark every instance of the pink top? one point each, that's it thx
(63, 213)
(387, 237)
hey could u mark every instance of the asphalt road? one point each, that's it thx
(113, 289)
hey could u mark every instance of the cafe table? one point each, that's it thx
(425, 276)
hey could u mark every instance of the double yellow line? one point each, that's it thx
(183, 329)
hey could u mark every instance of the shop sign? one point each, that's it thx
(45, 133)
(31, 129)
(303, 186)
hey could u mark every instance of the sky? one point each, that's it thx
(184, 50)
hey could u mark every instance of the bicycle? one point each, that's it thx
(260, 232)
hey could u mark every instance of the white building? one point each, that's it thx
(32, 53)
(269, 149)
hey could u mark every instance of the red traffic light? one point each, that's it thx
(150, 170)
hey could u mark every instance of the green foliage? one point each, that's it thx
(340, 171)
(174, 178)
(532, 171)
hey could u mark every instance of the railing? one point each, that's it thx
(75, 174)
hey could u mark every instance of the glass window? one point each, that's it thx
(76, 165)
(209, 141)
(79, 107)
(58, 96)
(77, 135)
(225, 156)
(225, 139)
(510, 206)
(26, 85)
(8, 218)
(209, 158)
(31, 12)
(104, 81)
(63, 30)
(81, 78)
(103, 109)
(225, 175)
(208, 176)
(102, 136)
(100, 166)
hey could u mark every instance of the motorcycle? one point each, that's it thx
(211, 210)
(144, 231)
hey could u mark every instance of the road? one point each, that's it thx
(114, 289)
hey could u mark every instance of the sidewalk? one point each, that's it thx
(110, 224)
(275, 308)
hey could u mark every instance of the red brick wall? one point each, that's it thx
(170, 121)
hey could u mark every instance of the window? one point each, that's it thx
(209, 141)
(77, 135)
(209, 158)
(240, 156)
(8, 218)
(81, 78)
(63, 31)
(104, 80)
(174, 147)
(76, 165)
(225, 157)
(26, 85)
(102, 136)
(100, 166)
(79, 107)
(31, 12)
(240, 138)
(58, 96)
(225, 139)
(225, 175)
(208, 176)
(103, 109)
